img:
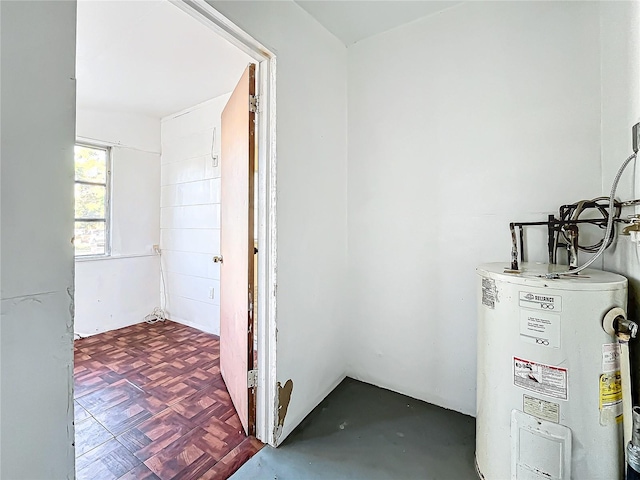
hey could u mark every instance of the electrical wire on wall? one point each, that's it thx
(159, 313)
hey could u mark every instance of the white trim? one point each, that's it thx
(108, 184)
(93, 142)
(266, 401)
(209, 16)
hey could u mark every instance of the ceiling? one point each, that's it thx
(150, 57)
(355, 20)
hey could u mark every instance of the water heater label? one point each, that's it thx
(610, 398)
(489, 296)
(610, 357)
(540, 378)
(540, 328)
(538, 301)
(539, 408)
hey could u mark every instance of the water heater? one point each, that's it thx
(549, 402)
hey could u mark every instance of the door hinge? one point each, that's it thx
(254, 103)
(252, 378)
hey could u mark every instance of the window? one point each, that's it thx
(92, 200)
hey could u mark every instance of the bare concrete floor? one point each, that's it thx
(364, 432)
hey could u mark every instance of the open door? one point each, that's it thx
(237, 247)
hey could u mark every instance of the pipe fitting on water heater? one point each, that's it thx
(633, 230)
(616, 324)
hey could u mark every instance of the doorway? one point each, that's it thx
(184, 365)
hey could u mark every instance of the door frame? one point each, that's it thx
(266, 390)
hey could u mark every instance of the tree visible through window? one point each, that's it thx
(92, 200)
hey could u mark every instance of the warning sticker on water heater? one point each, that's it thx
(541, 408)
(540, 378)
(489, 296)
(610, 398)
(610, 357)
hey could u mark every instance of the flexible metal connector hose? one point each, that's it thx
(633, 448)
(603, 247)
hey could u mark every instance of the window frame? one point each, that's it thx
(107, 207)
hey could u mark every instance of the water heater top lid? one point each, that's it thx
(532, 274)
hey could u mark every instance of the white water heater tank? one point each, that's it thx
(549, 392)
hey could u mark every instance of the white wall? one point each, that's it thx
(458, 124)
(119, 290)
(311, 198)
(620, 60)
(190, 214)
(38, 95)
(620, 45)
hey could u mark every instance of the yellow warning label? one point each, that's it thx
(610, 389)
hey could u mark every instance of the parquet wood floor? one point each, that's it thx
(150, 403)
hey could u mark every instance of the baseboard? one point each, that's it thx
(110, 328)
(118, 327)
(197, 326)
